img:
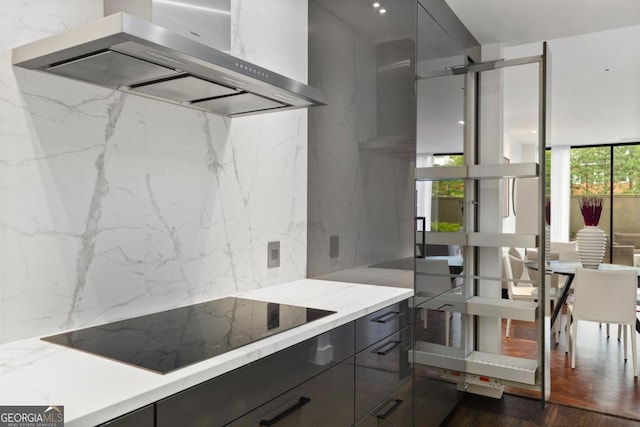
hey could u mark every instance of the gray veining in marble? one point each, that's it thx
(113, 205)
(100, 189)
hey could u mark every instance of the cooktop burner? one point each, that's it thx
(173, 339)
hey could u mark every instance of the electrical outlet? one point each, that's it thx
(334, 246)
(273, 249)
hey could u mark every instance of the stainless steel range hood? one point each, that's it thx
(130, 54)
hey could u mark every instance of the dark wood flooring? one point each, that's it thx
(480, 411)
(602, 381)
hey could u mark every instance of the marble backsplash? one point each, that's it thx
(113, 205)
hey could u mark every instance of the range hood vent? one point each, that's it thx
(130, 54)
(396, 102)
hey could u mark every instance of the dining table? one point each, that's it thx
(568, 269)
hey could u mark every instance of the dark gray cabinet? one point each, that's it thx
(380, 369)
(383, 340)
(325, 400)
(382, 323)
(308, 384)
(143, 417)
(395, 411)
(230, 396)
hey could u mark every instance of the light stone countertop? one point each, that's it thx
(94, 389)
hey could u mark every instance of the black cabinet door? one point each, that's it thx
(433, 399)
(225, 398)
(382, 323)
(323, 401)
(143, 417)
(395, 411)
(381, 369)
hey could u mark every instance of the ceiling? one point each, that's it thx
(521, 21)
(595, 51)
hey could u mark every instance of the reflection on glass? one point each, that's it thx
(447, 206)
(361, 146)
(439, 322)
(521, 109)
(440, 203)
(438, 290)
(436, 275)
(440, 127)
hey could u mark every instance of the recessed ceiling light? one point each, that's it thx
(534, 131)
(382, 11)
(376, 4)
(460, 122)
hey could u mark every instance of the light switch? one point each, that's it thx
(273, 249)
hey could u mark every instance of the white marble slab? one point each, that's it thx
(114, 205)
(396, 278)
(95, 389)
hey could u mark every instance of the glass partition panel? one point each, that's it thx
(465, 204)
(361, 145)
(447, 208)
(439, 318)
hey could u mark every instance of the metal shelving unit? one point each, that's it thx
(466, 364)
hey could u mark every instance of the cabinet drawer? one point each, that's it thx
(395, 411)
(229, 396)
(325, 400)
(381, 369)
(382, 323)
(142, 417)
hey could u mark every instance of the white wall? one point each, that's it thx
(112, 205)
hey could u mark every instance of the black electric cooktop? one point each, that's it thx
(166, 341)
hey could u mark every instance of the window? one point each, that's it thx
(611, 172)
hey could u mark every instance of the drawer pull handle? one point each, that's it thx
(386, 317)
(443, 306)
(301, 402)
(381, 352)
(396, 405)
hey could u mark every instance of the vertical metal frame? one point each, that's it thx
(544, 349)
(471, 196)
(470, 148)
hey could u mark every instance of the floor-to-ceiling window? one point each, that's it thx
(609, 174)
(626, 204)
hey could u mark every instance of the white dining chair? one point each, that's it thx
(567, 251)
(516, 290)
(606, 296)
(511, 264)
(556, 281)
